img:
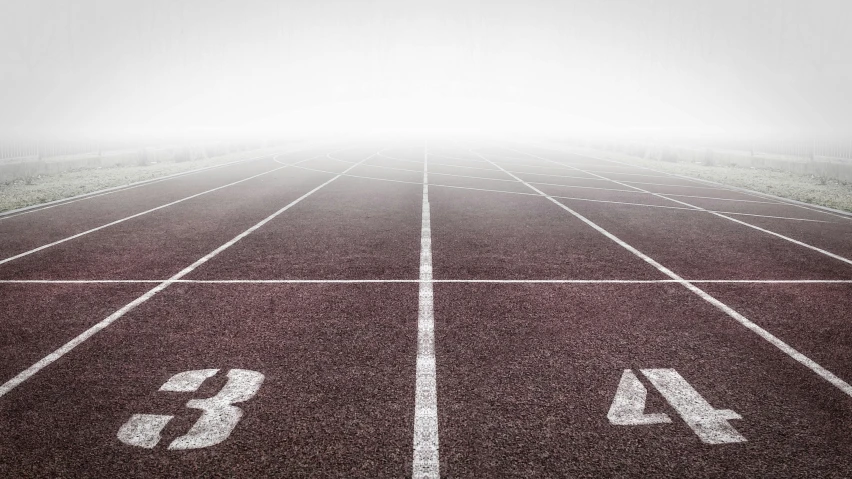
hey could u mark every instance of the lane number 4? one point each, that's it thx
(219, 417)
(710, 425)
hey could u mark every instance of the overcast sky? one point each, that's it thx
(120, 67)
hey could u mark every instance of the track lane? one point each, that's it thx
(158, 244)
(485, 235)
(699, 245)
(23, 233)
(79, 338)
(38, 318)
(526, 379)
(336, 399)
(353, 229)
(814, 318)
(733, 219)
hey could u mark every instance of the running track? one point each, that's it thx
(441, 308)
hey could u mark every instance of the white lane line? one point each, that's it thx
(787, 201)
(438, 164)
(527, 165)
(390, 168)
(70, 345)
(768, 216)
(569, 177)
(598, 188)
(458, 158)
(633, 190)
(122, 220)
(721, 199)
(553, 196)
(845, 387)
(599, 177)
(425, 463)
(620, 202)
(450, 174)
(473, 280)
(358, 176)
(116, 189)
(586, 187)
(698, 208)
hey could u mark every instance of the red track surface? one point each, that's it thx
(322, 299)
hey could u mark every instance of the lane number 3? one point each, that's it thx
(219, 417)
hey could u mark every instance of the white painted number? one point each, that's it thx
(710, 425)
(218, 420)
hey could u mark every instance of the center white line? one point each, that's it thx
(426, 463)
(70, 345)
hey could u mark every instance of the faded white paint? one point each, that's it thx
(216, 423)
(143, 430)
(426, 452)
(104, 323)
(220, 416)
(628, 406)
(764, 334)
(710, 425)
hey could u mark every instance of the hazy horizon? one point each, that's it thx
(107, 68)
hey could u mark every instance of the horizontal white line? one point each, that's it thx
(116, 189)
(835, 380)
(474, 160)
(526, 165)
(721, 199)
(106, 322)
(787, 201)
(137, 215)
(567, 186)
(358, 281)
(553, 196)
(721, 215)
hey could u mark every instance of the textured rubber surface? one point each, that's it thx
(311, 281)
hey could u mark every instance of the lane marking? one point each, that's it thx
(723, 199)
(720, 215)
(616, 202)
(457, 158)
(358, 281)
(766, 335)
(788, 201)
(451, 174)
(601, 178)
(426, 464)
(122, 220)
(709, 424)
(527, 165)
(632, 190)
(359, 176)
(438, 164)
(628, 405)
(219, 415)
(115, 189)
(104, 323)
(769, 216)
(554, 196)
